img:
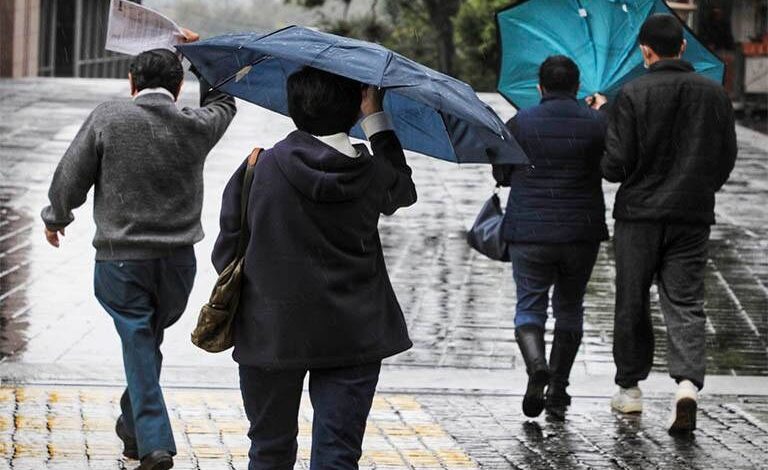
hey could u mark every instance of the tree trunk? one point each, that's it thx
(441, 13)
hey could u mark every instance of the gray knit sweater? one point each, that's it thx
(145, 159)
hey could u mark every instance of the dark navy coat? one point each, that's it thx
(316, 291)
(558, 198)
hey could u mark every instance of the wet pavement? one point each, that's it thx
(464, 371)
(58, 427)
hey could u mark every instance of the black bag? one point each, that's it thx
(485, 234)
(213, 332)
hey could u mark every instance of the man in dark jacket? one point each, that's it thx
(671, 143)
(554, 223)
(145, 159)
(316, 298)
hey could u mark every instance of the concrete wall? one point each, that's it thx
(19, 37)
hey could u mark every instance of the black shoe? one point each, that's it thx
(130, 448)
(156, 460)
(530, 339)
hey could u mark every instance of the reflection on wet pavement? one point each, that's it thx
(73, 428)
(498, 436)
(59, 427)
(14, 274)
(459, 305)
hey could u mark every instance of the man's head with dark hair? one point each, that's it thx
(663, 34)
(559, 74)
(158, 68)
(322, 103)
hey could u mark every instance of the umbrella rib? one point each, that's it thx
(231, 77)
(390, 56)
(268, 35)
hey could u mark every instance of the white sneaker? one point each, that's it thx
(628, 400)
(683, 417)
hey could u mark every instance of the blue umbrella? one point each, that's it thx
(599, 35)
(432, 113)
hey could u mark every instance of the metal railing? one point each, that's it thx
(72, 37)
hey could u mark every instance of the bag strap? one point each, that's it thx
(242, 243)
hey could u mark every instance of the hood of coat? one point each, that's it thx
(320, 172)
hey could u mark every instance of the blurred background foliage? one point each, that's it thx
(457, 37)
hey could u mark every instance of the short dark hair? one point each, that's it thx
(559, 73)
(663, 33)
(158, 68)
(323, 103)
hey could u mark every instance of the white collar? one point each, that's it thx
(161, 90)
(340, 142)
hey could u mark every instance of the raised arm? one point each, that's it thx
(217, 109)
(400, 192)
(76, 173)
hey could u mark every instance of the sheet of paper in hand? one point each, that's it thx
(133, 29)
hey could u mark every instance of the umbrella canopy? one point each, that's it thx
(432, 113)
(599, 35)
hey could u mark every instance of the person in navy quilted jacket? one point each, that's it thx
(554, 223)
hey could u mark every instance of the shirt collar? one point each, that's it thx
(676, 65)
(339, 142)
(558, 95)
(160, 90)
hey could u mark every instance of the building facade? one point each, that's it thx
(19, 33)
(57, 38)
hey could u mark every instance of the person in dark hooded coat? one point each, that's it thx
(316, 296)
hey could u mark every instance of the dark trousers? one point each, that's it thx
(144, 297)
(341, 399)
(538, 267)
(676, 255)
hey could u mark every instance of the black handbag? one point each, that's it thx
(485, 235)
(213, 332)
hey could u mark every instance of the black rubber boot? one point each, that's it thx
(530, 339)
(564, 348)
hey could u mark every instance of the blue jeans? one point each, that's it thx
(144, 297)
(538, 267)
(341, 399)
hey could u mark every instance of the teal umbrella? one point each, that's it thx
(599, 35)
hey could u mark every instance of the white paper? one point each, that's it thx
(133, 29)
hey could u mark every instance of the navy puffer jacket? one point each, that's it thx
(558, 198)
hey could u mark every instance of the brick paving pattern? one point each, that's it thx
(496, 435)
(55, 427)
(73, 428)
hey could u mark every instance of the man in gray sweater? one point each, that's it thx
(144, 158)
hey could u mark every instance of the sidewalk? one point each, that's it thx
(453, 401)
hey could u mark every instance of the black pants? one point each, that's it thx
(677, 256)
(341, 399)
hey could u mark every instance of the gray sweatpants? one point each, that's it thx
(676, 255)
